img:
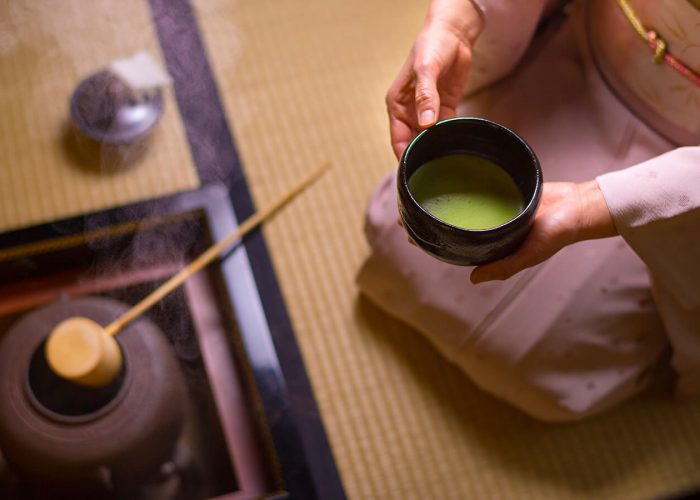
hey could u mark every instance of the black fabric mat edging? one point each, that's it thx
(216, 158)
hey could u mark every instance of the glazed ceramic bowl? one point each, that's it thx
(486, 139)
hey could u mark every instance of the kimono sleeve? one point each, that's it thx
(656, 209)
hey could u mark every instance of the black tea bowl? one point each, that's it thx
(491, 141)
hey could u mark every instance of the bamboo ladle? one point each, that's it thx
(85, 352)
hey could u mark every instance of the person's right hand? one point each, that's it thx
(431, 82)
(568, 212)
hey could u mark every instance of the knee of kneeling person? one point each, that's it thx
(557, 388)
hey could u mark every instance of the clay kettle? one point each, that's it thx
(62, 437)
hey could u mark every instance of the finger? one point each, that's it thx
(426, 94)
(447, 112)
(402, 128)
(535, 250)
(501, 269)
(399, 144)
(400, 108)
(484, 273)
(399, 222)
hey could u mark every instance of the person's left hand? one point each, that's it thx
(568, 212)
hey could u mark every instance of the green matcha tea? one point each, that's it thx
(466, 191)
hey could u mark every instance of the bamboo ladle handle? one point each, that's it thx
(211, 253)
(83, 351)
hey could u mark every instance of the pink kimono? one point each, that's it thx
(583, 331)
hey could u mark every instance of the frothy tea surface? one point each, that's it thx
(466, 191)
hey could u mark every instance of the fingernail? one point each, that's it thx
(426, 117)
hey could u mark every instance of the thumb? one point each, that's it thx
(427, 98)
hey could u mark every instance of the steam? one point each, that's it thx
(66, 44)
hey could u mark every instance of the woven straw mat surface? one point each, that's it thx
(46, 48)
(303, 82)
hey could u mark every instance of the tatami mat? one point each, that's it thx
(46, 48)
(304, 82)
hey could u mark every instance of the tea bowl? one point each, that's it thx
(487, 140)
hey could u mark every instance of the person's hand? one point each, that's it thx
(568, 212)
(432, 80)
